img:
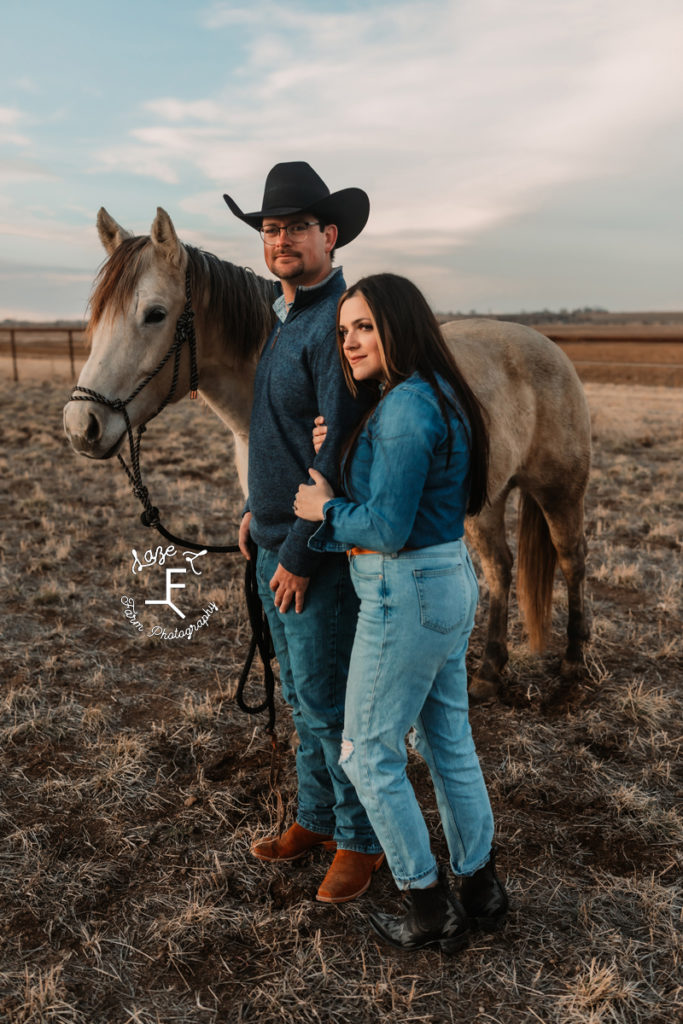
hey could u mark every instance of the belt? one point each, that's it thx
(368, 551)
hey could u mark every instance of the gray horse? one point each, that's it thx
(537, 412)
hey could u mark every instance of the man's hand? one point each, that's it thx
(243, 538)
(286, 586)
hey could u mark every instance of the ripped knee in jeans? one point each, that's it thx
(346, 750)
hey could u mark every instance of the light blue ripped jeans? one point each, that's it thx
(408, 669)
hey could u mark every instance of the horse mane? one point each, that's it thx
(114, 285)
(238, 299)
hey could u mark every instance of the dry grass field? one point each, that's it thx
(132, 786)
(624, 353)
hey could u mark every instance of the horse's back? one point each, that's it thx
(538, 414)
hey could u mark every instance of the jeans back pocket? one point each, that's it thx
(444, 596)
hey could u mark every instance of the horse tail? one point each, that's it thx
(536, 561)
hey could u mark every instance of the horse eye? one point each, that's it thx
(155, 315)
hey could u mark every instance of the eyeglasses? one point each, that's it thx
(295, 232)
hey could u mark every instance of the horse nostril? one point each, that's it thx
(94, 429)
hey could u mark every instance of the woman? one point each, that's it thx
(412, 470)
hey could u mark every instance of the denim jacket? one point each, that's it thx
(402, 492)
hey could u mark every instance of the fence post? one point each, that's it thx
(71, 354)
(14, 355)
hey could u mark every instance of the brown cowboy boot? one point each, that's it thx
(294, 843)
(349, 876)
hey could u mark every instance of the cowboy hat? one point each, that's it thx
(295, 187)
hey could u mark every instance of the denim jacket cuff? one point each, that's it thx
(322, 540)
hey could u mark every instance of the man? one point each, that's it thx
(308, 598)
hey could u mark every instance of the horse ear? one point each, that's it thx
(111, 234)
(164, 237)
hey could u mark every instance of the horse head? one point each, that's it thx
(138, 298)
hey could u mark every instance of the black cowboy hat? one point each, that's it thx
(295, 187)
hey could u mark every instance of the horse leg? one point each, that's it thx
(487, 535)
(564, 515)
(242, 459)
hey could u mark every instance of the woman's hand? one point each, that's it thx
(319, 433)
(310, 498)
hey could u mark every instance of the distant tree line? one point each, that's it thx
(74, 325)
(541, 316)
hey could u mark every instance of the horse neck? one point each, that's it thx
(233, 309)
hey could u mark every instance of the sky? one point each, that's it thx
(518, 154)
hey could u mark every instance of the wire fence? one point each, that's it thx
(40, 343)
(40, 351)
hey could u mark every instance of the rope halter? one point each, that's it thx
(184, 332)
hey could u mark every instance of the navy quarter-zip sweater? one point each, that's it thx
(299, 377)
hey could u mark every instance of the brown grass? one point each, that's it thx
(127, 889)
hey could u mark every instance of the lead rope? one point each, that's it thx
(260, 639)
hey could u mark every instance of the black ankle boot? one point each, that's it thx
(435, 917)
(484, 898)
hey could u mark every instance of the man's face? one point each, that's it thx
(306, 261)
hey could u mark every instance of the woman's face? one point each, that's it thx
(360, 339)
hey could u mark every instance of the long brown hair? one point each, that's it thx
(410, 341)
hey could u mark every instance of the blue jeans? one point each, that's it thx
(408, 669)
(313, 650)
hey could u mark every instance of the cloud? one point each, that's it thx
(27, 84)
(143, 160)
(465, 122)
(8, 118)
(223, 15)
(454, 117)
(49, 274)
(20, 171)
(42, 293)
(38, 228)
(181, 110)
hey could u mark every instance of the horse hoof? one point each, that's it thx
(571, 669)
(481, 690)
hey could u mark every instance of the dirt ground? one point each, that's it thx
(127, 889)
